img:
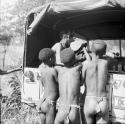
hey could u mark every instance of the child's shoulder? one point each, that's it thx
(78, 66)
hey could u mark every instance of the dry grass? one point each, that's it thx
(12, 110)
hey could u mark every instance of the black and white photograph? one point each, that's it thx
(62, 61)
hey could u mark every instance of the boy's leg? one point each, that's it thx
(74, 116)
(89, 109)
(59, 118)
(103, 117)
(50, 116)
(42, 118)
(89, 118)
(62, 115)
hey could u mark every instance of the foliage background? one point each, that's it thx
(12, 22)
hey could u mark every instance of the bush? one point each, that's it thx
(13, 111)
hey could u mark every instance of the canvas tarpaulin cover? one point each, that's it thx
(53, 12)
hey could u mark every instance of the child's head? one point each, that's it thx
(47, 56)
(67, 57)
(99, 47)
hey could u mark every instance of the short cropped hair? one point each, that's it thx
(46, 54)
(67, 57)
(99, 47)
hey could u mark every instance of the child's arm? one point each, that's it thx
(88, 58)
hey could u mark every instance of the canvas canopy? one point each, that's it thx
(93, 19)
(72, 14)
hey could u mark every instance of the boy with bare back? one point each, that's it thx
(49, 81)
(94, 73)
(69, 89)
